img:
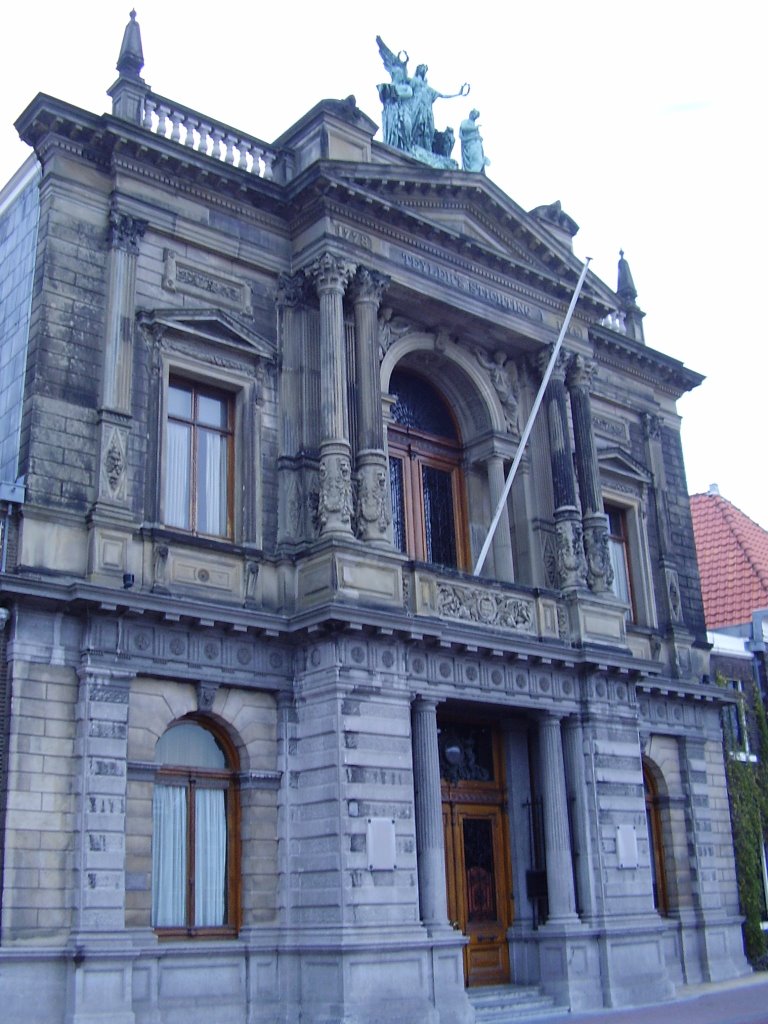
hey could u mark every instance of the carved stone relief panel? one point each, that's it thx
(188, 278)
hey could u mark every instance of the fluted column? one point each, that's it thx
(571, 566)
(331, 274)
(374, 507)
(502, 541)
(557, 839)
(430, 848)
(599, 572)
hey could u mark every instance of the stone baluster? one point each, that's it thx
(502, 540)
(331, 274)
(205, 135)
(162, 119)
(149, 108)
(374, 508)
(557, 839)
(190, 123)
(230, 142)
(581, 373)
(177, 117)
(430, 849)
(269, 159)
(218, 141)
(571, 565)
(245, 149)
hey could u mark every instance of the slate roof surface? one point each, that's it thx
(732, 552)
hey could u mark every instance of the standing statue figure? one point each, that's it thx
(396, 97)
(408, 122)
(423, 118)
(473, 157)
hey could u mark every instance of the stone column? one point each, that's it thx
(374, 507)
(599, 572)
(577, 793)
(125, 234)
(502, 541)
(331, 274)
(430, 848)
(571, 565)
(562, 901)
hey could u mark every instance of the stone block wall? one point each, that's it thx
(41, 807)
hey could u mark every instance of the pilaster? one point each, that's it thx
(125, 234)
(502, 540)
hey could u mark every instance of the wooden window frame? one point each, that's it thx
(656, 842)
(191, 779)
(619, 513)
(416, 449)
(197, 389)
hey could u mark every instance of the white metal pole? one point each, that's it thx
(529, 425)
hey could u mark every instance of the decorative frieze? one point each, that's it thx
(489, 607)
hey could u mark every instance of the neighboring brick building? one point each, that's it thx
(273, 754)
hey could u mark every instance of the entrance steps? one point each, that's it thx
(501, 1004)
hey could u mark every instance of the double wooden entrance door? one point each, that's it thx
(477, 870)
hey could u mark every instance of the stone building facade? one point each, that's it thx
(272, 751)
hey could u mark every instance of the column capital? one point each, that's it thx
(581, 373)
(369, 286)
(561, 363)
(651, 426)
(331, 273)
(291, 289)
(126, 232)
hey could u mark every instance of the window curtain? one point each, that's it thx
(169, 856)
(177, 471)
(212, 483)
(619, 566)
(210, 857)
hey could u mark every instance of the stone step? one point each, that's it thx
(500, 1004)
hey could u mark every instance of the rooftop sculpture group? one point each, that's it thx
(408, 121)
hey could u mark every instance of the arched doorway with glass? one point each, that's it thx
(426, 482)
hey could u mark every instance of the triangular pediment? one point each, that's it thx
(616, 462)
(469, 214)
(210, 325)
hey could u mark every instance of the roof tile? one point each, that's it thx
(732, 552)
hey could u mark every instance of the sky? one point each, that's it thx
(646, 120)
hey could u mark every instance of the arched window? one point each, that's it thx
(193, 834)
(428, 519)
(655, 841)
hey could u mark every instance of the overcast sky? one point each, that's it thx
(646, 120)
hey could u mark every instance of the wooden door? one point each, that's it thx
(478, 888)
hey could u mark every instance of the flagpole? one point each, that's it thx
(529, 425)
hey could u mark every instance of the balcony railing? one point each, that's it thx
(202, 134)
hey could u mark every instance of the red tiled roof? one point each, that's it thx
(732, 552)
